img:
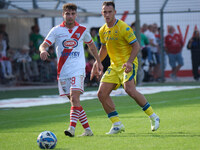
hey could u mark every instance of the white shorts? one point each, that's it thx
(75, 83)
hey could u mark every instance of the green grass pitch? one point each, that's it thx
(179, 112)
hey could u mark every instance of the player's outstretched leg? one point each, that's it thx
(84, 121)
(154, 119)
(116, 129)
(117, 126)
(74, 115)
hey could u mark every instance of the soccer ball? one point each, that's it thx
(46, 140)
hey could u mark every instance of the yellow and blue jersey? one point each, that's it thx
(118, 40)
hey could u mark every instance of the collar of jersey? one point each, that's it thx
(114, 23)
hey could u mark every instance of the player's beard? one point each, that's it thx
(69, 22)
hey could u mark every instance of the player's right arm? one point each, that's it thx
(43, 51)
(49, 40)
(102, 52)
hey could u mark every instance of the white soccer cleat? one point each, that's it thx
(87, 132)
(155, 121)
(70, 132)
(116, 129)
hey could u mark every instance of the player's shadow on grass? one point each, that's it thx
(162, 135)
(63, 149)
(159, 135)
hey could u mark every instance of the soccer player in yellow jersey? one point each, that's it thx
(120, 43)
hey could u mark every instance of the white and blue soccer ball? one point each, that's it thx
(47, 140)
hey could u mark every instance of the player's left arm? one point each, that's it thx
(134, 52)
(94, 52)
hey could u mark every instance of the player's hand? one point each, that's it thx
(44, 55)
(128, 67)
(97, 70)
(93, 71)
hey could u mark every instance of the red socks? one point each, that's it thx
(77, 113)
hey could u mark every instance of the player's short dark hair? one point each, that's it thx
(133, 24)
(69, 6)
(109, 3)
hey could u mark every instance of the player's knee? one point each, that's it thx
(101, 95)
(130, 92)
(74, 100)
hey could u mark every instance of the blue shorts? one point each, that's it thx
(175, 58)
(156, 58)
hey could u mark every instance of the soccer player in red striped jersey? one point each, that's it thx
(68, 38)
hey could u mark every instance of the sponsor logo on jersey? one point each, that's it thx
(111, 38)
(70, 54)
(70, 43)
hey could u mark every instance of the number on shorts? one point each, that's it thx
(109, 69)
(73, 80)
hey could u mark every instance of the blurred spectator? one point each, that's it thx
(95, 38)
(6, 66)
(35, 40)
(174, 45)
(23, 61)
(35, 37)
(146, 53)
(88, 68)
(156, 54)
(142, 72)
(158, 38)
(5, 34)
(153, 45)
(194, 46)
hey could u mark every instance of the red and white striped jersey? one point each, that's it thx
(69, 49)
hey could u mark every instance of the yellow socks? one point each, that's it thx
(148, 109)
(113, 116)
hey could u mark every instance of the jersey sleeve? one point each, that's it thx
(50, 38)
(87, 38)
(129, 35)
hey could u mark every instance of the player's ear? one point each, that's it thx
(102, 12)
(63, 13)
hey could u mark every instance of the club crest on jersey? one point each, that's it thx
(70, 43)
(127, 29)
